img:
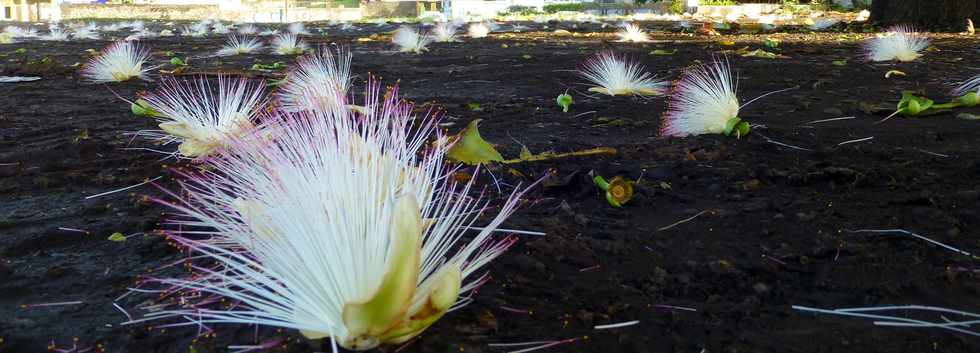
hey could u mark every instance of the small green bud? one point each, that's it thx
(730, 125)
(970, 100)
(564, 101)
(117, 237)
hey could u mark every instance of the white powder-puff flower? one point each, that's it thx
(344, 226)
(630, 32)
(615, 75)
(201, 119)
(478, 30)
(56, 34)
(118, 62)
(237, 45)
(318, 81)
(900, 43)
(288, 44)
(410, 40)
(704, 101)
(444, 32)
(298, 28)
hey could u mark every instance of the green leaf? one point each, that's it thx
(772, 42)
(842, 62)
(141, 108)
(759, 53)
(20, 51)
(117, 237)
(663, 52)
(525, 153)
(474, 107)
(470, 148)
(564, 101)
(177, 62)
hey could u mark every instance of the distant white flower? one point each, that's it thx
(56, 34)
(136, 26)
(298, 28)
(113, 27)
(615, 75)
(318, 81)
(240, 44)
(86, 33)
(118, 62)
(19, 32)
(444, 32)
(900, 43)
(478, 30)
(288, 44)
(194, 31)
(248, 28)
(221, 28)
(632, 33)
(823, 24)
(409, 40)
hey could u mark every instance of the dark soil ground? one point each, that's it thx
(773, 232)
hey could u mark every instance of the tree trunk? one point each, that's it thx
(926, 14)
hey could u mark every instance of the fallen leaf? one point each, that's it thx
(894, 72)
(470, 148)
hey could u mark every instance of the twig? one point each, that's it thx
(588, 112)
(551, 155)
(855, 141)
(672, 225)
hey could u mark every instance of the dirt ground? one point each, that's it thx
(771, 229)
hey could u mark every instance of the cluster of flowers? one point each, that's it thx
(341, 221)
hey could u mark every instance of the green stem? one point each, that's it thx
(601, 182)
(949, 105)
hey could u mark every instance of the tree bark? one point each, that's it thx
(926, 14)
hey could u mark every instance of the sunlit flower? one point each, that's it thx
(118, 62)
(202, 120)
(340, 225)
(615, 75)
(900, 43)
